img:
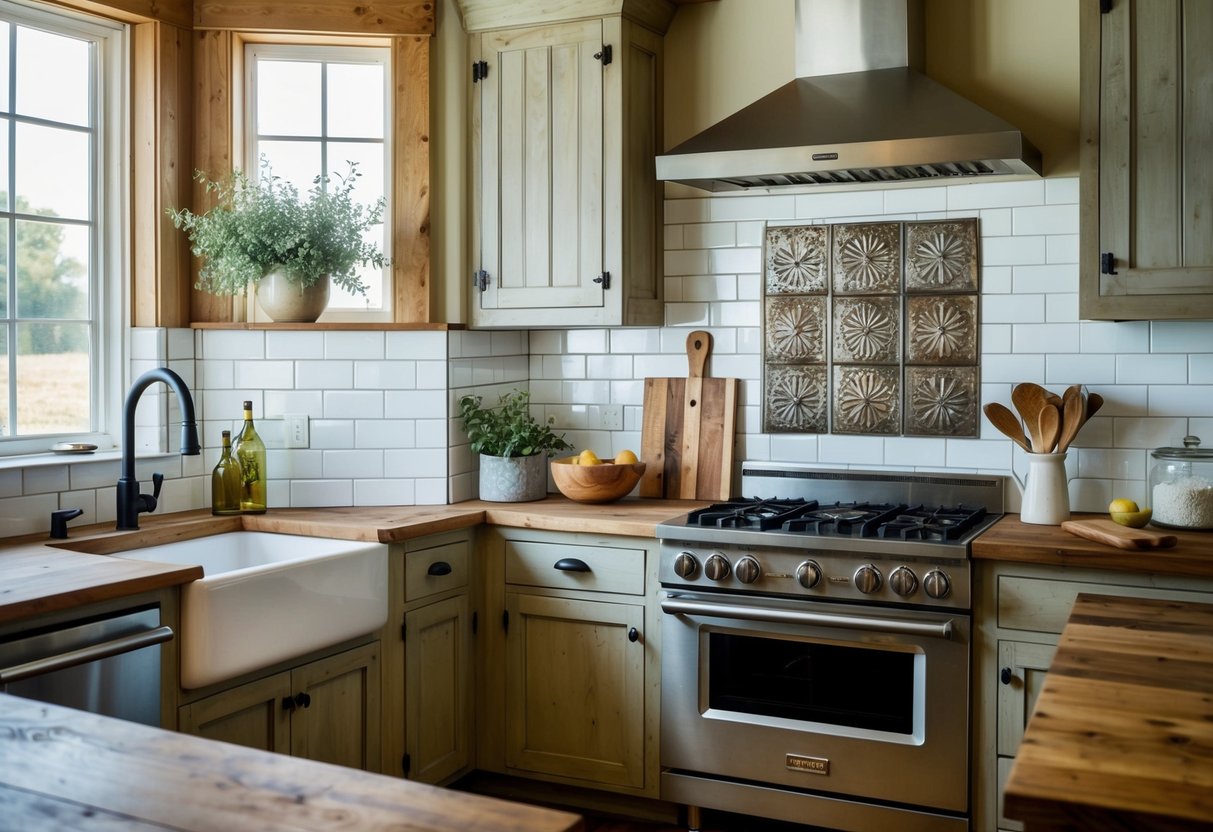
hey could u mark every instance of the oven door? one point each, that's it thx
(852, 700)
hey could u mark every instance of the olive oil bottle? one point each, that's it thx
(250, 453)
(227, 481)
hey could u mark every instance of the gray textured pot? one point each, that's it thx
(513, 479)
(284, 300)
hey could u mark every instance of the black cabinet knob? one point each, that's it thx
(633, 634)
(303, 700)
(439, 568)
(571, 565)
(288, 703)
(1005, 676)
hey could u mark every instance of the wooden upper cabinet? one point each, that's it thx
(566, 122)
(1147, 170)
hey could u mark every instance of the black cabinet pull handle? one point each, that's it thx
(288, 703)
(633, 634)
(571, 565)
(439, 568)
(303, 700)
(1005, 676)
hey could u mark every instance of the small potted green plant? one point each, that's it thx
(513, 447)
(290, 248)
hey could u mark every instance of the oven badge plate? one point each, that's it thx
(809, 765)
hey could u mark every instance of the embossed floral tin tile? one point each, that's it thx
(941, 256)
(795, 398)
(867, 258)
(941, 401)
(796, 260)
(867, 399)
(867, 330)
(795, 329)
(941, 329)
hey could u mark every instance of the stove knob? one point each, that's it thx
(903, 581)
(748, 570)
(867, 579)
(937, 584)
(808, 574)
(717, 567)
(685, 565)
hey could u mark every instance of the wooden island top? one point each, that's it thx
(1122, 734)
(66, 769)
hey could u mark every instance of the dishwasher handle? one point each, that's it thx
(84, 655)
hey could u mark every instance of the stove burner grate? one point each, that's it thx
(757, 513)
(849, 519)
(943, 524)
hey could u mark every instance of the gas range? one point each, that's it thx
(873, 536)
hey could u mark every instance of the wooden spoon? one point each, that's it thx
(1007, 423)
(1029, 400)
(1074, 413)
(1049, 425)
(1094, 403)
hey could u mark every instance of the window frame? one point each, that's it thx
(336, 50)
(110, 248)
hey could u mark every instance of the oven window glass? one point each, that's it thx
(806, 681)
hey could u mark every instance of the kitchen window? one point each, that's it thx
(311, 111)
(62, 229)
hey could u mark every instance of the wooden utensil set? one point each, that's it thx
(1051, 421)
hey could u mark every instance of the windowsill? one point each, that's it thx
(46, 460)
(381, 326)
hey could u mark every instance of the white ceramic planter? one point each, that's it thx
(286, 301)
(513, 479)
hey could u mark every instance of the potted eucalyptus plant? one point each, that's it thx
(513, 447)
(289, 247)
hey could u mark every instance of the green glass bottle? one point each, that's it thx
(250, 453)
(226, 481)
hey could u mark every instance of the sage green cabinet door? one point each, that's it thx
(541, 167)
(1147, 170)
(437, 660)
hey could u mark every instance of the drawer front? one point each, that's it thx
(1041, 605)
(428, 571)
(559, 566)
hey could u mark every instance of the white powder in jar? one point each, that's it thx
(1187, 503)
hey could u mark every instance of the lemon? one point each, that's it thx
(588, 457)
(1122, 506)
(625, 457)
(1132, 519)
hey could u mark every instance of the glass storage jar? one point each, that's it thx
(1181, 486)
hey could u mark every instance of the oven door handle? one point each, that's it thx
(678, 606)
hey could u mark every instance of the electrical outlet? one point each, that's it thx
(611, 416)
(294, 430)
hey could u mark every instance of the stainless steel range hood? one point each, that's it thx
(859, 112)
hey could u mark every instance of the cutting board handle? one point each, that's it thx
(699, 347)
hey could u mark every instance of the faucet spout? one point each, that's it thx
(130, 501)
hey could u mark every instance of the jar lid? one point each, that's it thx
(1190, 451)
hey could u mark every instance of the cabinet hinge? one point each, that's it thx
(604, 279)
(480, 280)
(406, 763)
(1105, 6)
(505, 621)
(480, 71)
(1107, 263)
(475, 622)
(605, 55)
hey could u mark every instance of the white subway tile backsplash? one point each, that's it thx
(415, 346)
(837, 204)
(294, 345)
(1181, 336)
(1108, 464)
(1013, 309)
(418, 462)
(264, 374)
(385, 375)
(1045, 219)
(45, 479)
(1061, 248)
(364, 464)
(1044, 279)
(1013, 368)
(331, 433)
(996, 280)
(751, 233)
(793, 447)
(1062, 190)
(995, 222)
(687, 211)
(907, 200)
(687, 314)
(356, 344)
(1151, 369)
(978, 453)
(352, 404)
(385, 492)
(709, 235)
(1181, 400)
(1047, 338)
(1061, 308)
(310, 403)
(1143, 432)
(385, 433)
(1062, 370)
(587, 340)
(753, 208)
(608, 366)
(996, 338)
(685, 262)
(1109, 336)
(234, 344)
(417, 404)
(674, 237)
(1013, 251)
(995, 194)
(318, 493)
(709, 288)
(850, 450)
(1200, 368)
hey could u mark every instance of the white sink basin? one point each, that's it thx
(269, 597)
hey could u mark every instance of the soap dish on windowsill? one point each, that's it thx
(73, 448)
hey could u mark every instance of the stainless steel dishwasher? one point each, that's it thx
(105, 665)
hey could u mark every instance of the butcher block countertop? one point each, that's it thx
(1121, 734)
(39, 576)
(1012, 540)
(66, 769)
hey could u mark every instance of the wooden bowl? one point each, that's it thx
(603, 483)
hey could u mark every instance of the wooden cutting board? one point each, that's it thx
(1114, 534)
(686, 435)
